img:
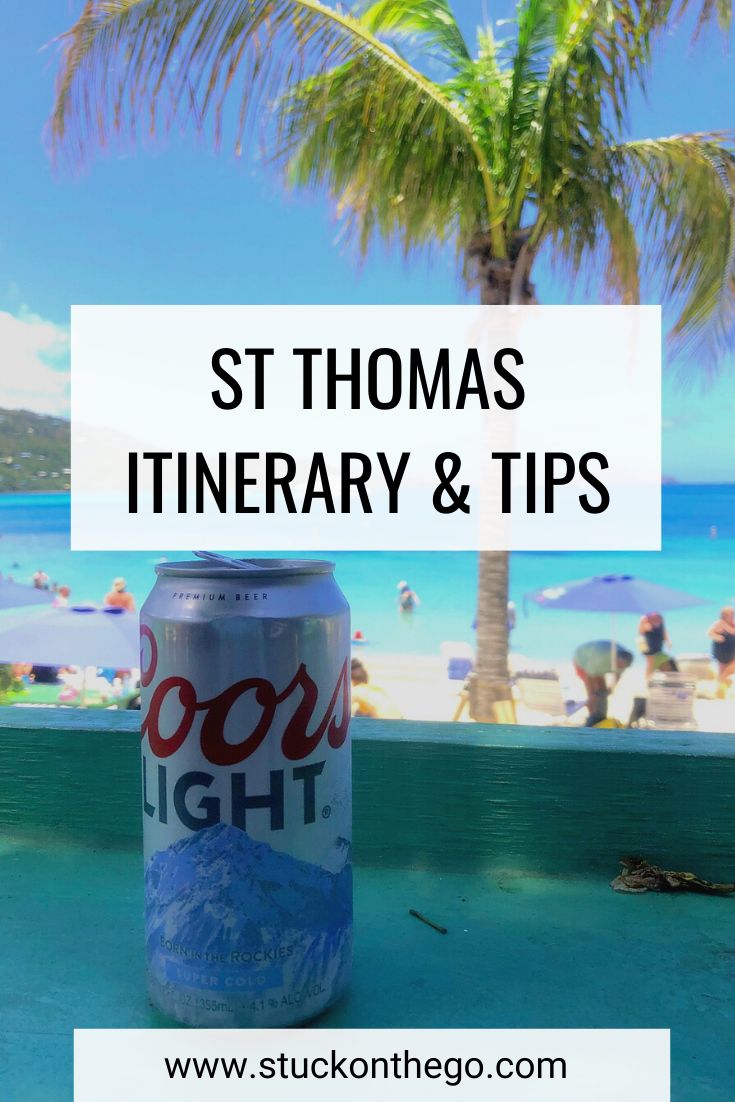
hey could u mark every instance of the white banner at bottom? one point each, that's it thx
(281, 1065)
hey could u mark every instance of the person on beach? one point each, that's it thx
(722, 634)
(118, 597)
(367, 699)
(593, 662)
(61, 600)
(653, 637)
(40, 580)
(408, 600)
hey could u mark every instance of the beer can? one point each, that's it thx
(245, 705)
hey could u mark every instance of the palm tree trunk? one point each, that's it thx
(502, 282)
(489, 682)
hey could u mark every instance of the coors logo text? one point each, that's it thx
(297, 742)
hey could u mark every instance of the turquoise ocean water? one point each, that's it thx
(34, 532)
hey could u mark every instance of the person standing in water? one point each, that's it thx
(408, 600)
(118, 597)
(722, 634)
(61, 600)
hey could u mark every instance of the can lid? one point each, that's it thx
(255, 568)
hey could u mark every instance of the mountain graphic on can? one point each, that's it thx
(246, 791)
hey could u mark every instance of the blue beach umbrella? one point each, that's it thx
(15, 595)
(81, 636)
(613, 593)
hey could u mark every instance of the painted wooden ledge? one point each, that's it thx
(462, 797)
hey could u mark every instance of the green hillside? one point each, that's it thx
(34, 452)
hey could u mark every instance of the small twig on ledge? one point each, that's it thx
(428, 922)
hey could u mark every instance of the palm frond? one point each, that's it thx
(572, 68)
(407, 174)
(710, 11)
(517, 145)
(188, 58)
(660, 212)
(529, 65)
(685, 188)
(429, 23)
(593, 232)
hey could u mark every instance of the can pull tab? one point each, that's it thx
(225, 560)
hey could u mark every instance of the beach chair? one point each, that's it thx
(460, 659)
(541, 692)
(699, 669)
(670, 703)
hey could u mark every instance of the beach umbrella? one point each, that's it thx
(613, 593)
(15, 595)
(78, 636)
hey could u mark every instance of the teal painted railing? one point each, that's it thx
(439, 796)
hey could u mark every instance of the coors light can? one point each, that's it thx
(246, 791)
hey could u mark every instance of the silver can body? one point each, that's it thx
(247, 813)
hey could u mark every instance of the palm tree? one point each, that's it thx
(516, 147)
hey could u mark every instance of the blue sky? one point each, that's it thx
(179, 223)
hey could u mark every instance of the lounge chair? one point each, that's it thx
(670, 703)
(699, 669)
(541, 692)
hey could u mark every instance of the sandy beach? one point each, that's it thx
(420, 689)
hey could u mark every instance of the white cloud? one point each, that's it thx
(34, 371)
